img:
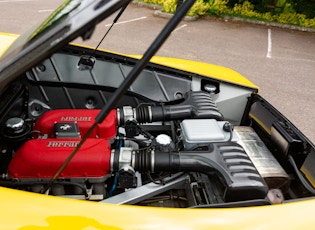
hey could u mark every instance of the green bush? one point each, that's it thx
(242, 8)
(155, 2)
(169, 6)
(199, 8)
(219, 7)
(288, 17)
(295, 19)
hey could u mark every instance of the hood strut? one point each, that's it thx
(133, 74)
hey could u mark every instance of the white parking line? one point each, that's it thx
(181, 27)
(44, 11)
(269, 44)
(131, 20)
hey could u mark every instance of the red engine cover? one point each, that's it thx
(85, 118)
(42, 158)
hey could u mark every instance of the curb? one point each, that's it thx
(273, 24)
(147, 5)
(161, 14)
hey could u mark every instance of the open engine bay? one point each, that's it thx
(183, 142)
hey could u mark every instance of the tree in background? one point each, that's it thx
(306, 7)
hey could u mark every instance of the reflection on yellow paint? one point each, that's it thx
(70, 222)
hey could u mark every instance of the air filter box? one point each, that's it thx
(200, 132)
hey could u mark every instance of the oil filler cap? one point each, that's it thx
(15, 125)
(16, 131)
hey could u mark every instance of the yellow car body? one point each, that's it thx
(26, 210)
(22, 210)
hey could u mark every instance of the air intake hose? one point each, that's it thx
(193, 105)
(228, 160)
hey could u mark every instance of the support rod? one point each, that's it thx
(157, 43)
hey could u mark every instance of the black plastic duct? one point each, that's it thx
(193, 105)
(228, 160)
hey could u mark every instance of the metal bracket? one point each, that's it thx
(149, 190)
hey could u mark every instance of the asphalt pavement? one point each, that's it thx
(280, 61)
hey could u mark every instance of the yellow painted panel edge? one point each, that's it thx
(6, 40)
(205, 69)
(260, 123)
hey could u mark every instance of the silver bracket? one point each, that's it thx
(176, 181)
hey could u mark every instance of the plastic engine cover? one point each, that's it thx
(42, 158)
(85, 118)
